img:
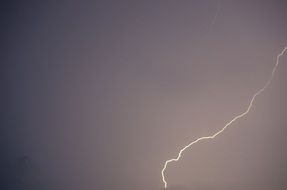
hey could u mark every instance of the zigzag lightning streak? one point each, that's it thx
(227, 124)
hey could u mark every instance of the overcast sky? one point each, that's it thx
(98, 94)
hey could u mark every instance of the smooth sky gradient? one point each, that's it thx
(98, 94)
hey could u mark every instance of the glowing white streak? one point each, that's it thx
(227, 124)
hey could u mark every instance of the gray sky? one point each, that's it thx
(98, 94)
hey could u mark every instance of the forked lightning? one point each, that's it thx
(227, 124)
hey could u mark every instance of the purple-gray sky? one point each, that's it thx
(98, 94)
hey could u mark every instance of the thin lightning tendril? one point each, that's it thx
(227, 124)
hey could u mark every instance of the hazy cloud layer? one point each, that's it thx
(98, 94)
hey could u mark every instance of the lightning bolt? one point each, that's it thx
(227, 124)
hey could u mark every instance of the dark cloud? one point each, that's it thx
(17, 174)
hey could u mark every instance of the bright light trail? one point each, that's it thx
(227, 124)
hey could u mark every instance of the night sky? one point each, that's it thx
(96, 95)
